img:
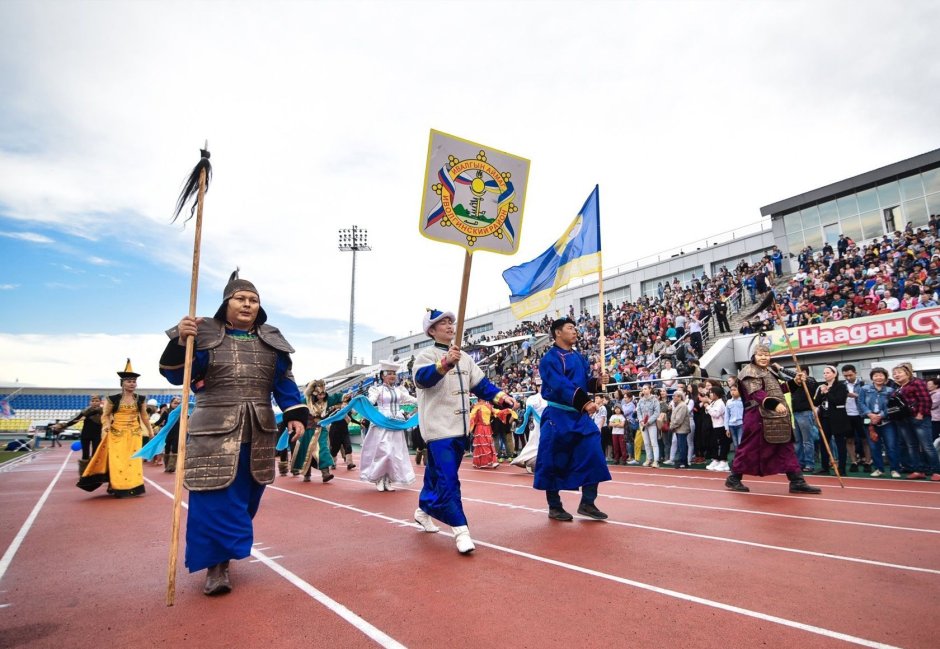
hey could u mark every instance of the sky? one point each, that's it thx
(689, 116)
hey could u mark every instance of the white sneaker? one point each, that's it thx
(425, 522)
(723, 466)
(655, 465)
(388, 485)
(380, 485)
(648, 463)
(669, 463)
(895, 474)
(712, 466)
(876, 473)
(463, 540)
(633, 463)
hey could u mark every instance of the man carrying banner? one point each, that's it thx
(445, 376)
(239, 362)
(570, 454)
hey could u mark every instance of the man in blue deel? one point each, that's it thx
(570, 454)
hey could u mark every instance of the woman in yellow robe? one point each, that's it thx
(124, 423)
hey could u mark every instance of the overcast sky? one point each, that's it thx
(689, 115)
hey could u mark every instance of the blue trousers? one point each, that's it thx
(440, 496)
(219, 525)
(588, 496)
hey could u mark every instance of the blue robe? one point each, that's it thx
(570, 453)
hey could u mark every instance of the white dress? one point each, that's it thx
(526, 457)
(384, 452)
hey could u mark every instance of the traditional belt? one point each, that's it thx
(562, 406)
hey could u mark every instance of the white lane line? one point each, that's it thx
(867, 503)
(752, 494)
(629, 582)
(380, 637)
(725, 539)
(720, 539)
(753, 512)
(24, 530)
(826, 481)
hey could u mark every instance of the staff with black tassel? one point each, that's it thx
(769, 299)
(197, 184)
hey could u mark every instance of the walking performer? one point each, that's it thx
(384, 459)
(239, 362)
(766, 446)
(534, 406)
(570, 455)
(91, 430)
(444, 376)
(481, 417)
(124, 420)
(313, 446)
(339, 436)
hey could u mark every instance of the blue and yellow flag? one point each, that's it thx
(575, 254)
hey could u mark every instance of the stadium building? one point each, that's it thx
(863, 207)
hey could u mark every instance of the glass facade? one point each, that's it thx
(479, 329)
(865, 214)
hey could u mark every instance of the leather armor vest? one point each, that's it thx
(233, 409)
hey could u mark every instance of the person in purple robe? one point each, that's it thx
(767, 442)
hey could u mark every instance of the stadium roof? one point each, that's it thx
(869, 178)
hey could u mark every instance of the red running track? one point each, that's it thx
(681, 561)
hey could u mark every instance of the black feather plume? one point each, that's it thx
(765, 303)
(191, 187)
(233, 276)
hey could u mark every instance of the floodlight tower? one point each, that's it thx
(354, 239)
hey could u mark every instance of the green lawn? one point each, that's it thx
(9, 455)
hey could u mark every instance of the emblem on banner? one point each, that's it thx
(475, 201)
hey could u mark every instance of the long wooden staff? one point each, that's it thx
(822, 433)
(198, 183)
(462, 307)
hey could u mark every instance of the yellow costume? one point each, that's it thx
(124, 425)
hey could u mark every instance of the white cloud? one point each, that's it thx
(91, 360)
(689, 115)
(8, 287)
(31, 237)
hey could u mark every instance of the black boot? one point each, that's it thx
(733, 482)
(799, 486)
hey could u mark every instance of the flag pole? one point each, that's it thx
(600, 312)
(600, 287)
(462, 307)
(198, 181)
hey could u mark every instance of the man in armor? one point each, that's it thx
(239, 362)
(767, 443)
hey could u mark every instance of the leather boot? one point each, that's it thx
(419, 455)
(82, 465)
(282, 467)
(217, 580)
(327, 476)
(733, 482)
(798, 485)
(170, 464)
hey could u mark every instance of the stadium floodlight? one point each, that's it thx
(354, 239)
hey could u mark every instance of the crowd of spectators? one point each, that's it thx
(896, 272)
(656, 333)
